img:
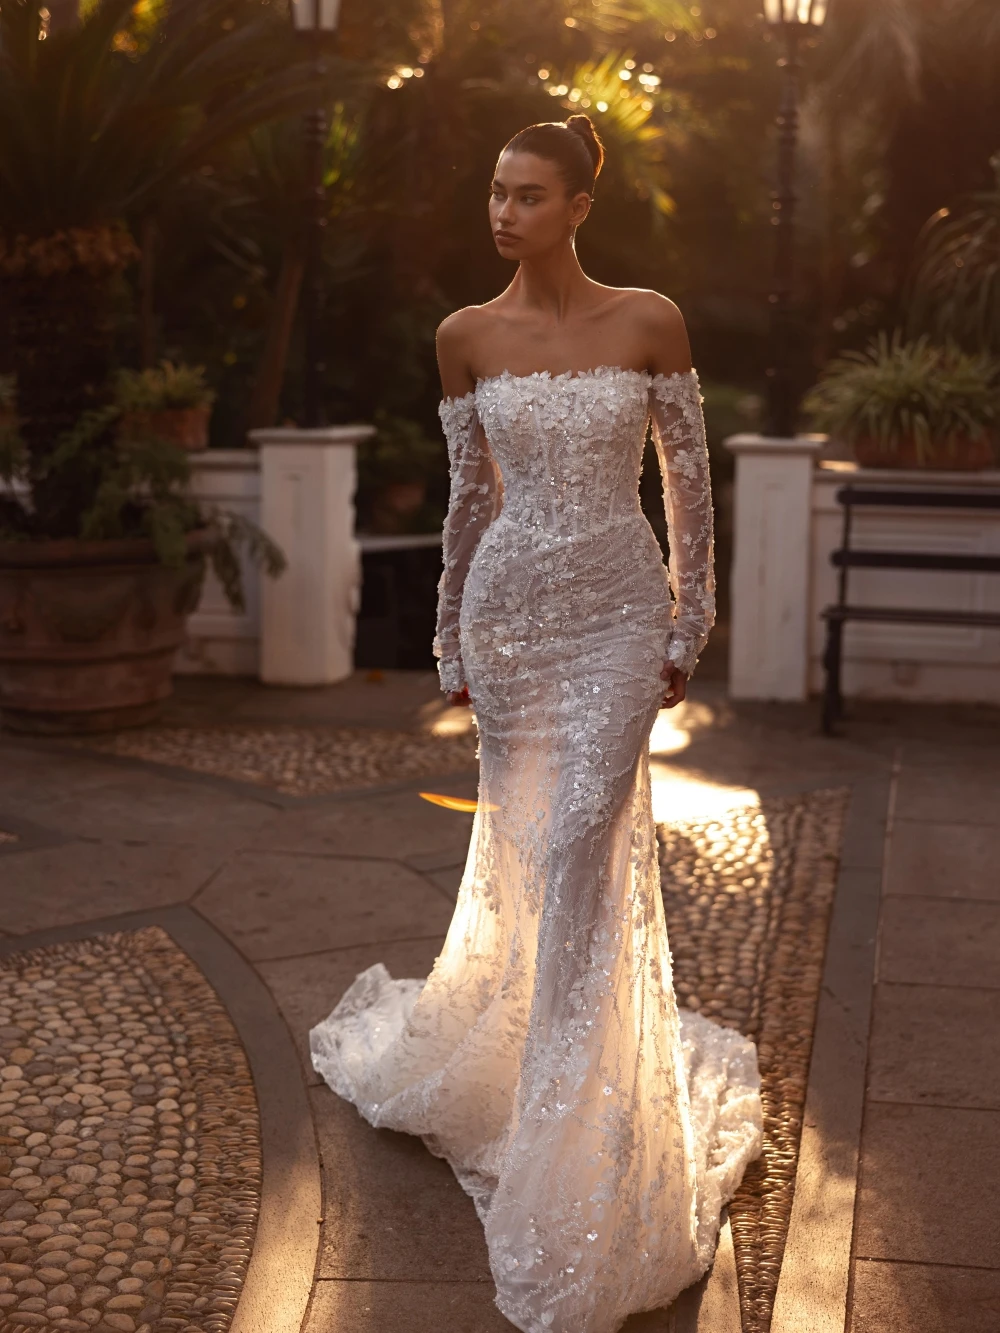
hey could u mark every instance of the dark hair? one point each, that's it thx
(573, 145)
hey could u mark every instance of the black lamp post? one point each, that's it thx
(314, 20)
(795, 19)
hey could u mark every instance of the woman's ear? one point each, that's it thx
(580, 208)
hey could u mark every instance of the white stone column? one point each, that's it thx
(308, 480)
(769, 636)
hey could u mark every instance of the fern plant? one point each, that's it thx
(162, 388)
(897, 391)
(140, 487)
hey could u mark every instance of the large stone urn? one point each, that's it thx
(88, 632)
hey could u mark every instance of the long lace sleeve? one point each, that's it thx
(473, 503)
(679, 435)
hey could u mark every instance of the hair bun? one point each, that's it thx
(584, 127)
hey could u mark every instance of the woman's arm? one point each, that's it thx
(679, 435)
(473, 500)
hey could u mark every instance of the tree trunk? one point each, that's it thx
(147, 287)
(266, 396)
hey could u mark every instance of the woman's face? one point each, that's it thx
(530, 209)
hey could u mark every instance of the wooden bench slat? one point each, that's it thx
(928, 499)
(914, 615)
(854, 559)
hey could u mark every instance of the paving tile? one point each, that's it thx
(81, 881)
(75, 793)
(277, 906)
(448, 881)
(939, 942)
(306, 989)
(913, 1298)
(393, 1210)
(927, 1192)
(945, 860)
(405, 1307)
(956, 794)
(397, 824)
(935, 1044)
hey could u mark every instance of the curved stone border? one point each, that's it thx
(278, 1282)
(747, 897)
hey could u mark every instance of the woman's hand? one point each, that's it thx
(460, 698)
(676, 685)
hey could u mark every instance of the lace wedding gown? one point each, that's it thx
(598, 1130)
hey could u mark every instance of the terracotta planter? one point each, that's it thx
(187, 427)
(88, 632)
(965, 456)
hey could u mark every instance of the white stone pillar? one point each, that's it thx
(308, 480)
(769, 635)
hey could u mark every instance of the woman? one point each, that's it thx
(598, 1131)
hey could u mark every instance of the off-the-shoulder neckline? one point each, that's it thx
(547, 376)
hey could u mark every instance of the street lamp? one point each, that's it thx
(794, 19)
(314, 20)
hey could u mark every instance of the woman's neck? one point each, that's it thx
(552, 284)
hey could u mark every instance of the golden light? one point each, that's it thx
(458, 803)
(602, 106)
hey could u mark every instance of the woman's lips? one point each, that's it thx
(506, 237)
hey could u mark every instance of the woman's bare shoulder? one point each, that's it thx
(462, 324)
(458, 337)
(662, 328)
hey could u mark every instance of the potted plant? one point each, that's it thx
(912, 403)
(102, 550)
(89, 625)
(166, 402)
(394, 469)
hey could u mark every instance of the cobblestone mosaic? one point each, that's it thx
(297, 761)
(747, 898)
(130, 1160)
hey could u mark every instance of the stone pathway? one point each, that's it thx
(129, 1142)
(312, 889)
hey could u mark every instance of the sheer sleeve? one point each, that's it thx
(474, 502)
(679, 435)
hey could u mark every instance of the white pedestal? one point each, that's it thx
(769, 639)
(308, 480)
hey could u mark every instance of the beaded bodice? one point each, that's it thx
(558, 457)
(569, 447)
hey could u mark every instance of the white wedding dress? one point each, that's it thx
(599, 1131)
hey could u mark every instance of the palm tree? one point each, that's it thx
(98, 122)
(956, 281)
(905, 99)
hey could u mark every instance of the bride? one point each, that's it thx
(598, 1130)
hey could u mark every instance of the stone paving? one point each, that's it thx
(314, 889)
(129, 1142)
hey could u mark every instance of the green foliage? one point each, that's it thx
(161, 388)
(100, 120)
(956, 283)
(399, 451)
(141, 489)
(895, 391)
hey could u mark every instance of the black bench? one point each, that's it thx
(849, 557)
